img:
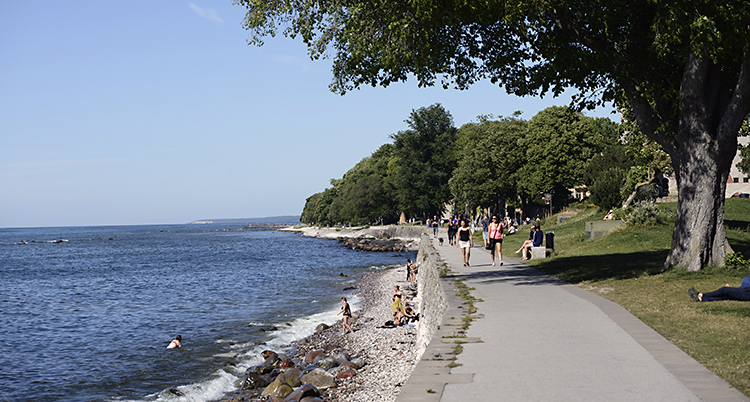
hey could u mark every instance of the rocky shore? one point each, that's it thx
(376, 238)
(370, 364)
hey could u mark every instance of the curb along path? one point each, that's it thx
(537, 338)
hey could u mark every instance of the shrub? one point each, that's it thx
(736, 261)
(644, 213)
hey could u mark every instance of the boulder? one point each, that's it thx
(342, 358)
(334, 371)
(283, 391)
(260, 369)
(268, 353)
(321, 328)
(330, 347)
(349, 365)
(359, 361)
(328, 363)
(272, 387)
(286, 363)
(290, 378)
(253, 381)
(346, 374)
(311, 399)
(305, 391)
(319, 378)
(310, 356)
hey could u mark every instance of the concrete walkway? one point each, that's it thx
(541, 339)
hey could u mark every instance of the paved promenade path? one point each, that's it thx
(541, 339)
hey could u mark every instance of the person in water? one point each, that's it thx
(347, 312)
(176, 342)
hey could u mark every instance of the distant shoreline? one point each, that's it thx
(275, 220)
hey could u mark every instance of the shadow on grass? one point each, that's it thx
(740, 225)
(726, 307)
(600, 267)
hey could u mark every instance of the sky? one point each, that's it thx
(159, 112)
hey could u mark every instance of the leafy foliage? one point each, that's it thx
(605, 191)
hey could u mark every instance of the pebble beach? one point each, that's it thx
(385, 356)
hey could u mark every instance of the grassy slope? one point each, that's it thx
(624, 267)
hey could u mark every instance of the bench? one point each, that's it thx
(538, 252)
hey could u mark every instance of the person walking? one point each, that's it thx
(347, 312)
(465, 242)
(496, 240)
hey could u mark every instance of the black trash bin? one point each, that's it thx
(549, 240)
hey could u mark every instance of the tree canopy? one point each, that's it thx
(682, 66)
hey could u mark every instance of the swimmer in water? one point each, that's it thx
(176, 342)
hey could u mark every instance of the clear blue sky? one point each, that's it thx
(139, 112)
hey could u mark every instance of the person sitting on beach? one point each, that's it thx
(726, 292)
(347, 312)
(610, 215)
(408, 313)
(398, 310)
(176, 342)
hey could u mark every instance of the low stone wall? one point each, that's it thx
(431, 297)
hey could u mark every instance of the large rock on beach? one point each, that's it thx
(254, 381)
(319, 378)
(272, 387)
(311, 399)
(346, 374)
(359, 362)
(305, 391)
(322, 327)
(350, 365)
(261, 369)
(310, 356)
(290, 377)
(342, 357)
(328, 363)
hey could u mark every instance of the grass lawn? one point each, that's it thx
(624, 267)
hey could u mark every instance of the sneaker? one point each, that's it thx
(518, 251)
(693, 295)
(493, 263)
(501, 263)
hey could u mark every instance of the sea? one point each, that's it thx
(86, 313)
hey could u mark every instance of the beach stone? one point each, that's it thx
(342, 357)
(254, 381)
(321, 327)
(283, 391)
(328, 363)
(319, 359)
(261, 369)
(346, 374)
(283, 357)
(336, 370)
(311, 399)
(272, 360)
(331, 347)
(286, 363)
(268, 353)
(305, 391)
(319, 378)
(359, 362)
(366, 319)
(310, 356)
(350, 365)
(271, 388)
(290, 378)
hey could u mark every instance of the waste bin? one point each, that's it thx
(549, 240)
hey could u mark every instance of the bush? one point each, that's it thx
(736, 261)
(644, 213)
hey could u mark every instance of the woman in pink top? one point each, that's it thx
(496, 240)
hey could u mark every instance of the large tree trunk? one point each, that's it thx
(699, 237)
(702, 152)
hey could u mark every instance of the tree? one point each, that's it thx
(423, 161)
(488, 160)
(683, 66)
(559, 144)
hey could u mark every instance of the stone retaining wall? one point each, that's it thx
(431, 297)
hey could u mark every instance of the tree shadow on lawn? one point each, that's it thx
(608, 266)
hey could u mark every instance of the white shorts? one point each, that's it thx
(464, 244)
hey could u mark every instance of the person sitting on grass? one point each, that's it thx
(726, 292)
(535, 240)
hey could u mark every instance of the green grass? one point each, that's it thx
(624, 267)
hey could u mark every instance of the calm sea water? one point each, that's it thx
(86, 313)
